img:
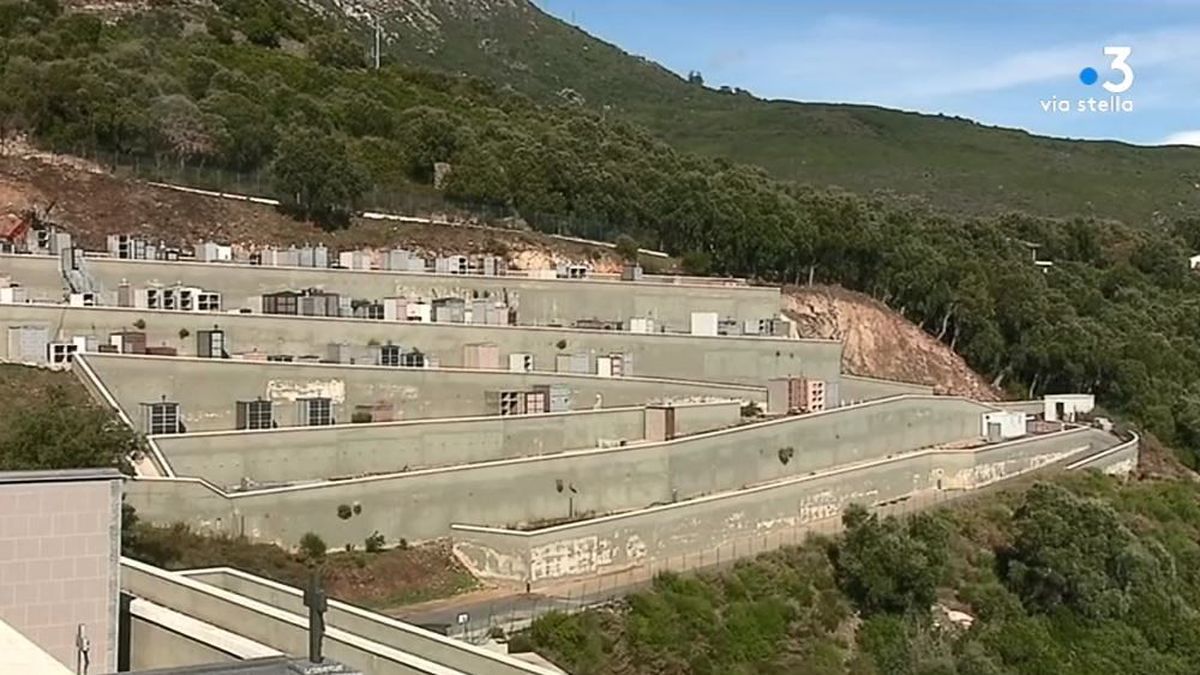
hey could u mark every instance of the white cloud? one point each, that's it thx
(866, 60)
(1182, 138)
(1164, 49)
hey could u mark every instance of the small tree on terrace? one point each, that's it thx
(627, 247)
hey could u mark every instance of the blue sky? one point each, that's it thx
(994, 62)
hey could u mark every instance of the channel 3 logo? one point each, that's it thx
(1119, 55)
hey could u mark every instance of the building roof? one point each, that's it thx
(18, 654)
(268, 665)
(59, 475)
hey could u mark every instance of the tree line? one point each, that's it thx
(261, 85)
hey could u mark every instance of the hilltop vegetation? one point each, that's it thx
(261, 85)
(951, 163)
(1082, 575)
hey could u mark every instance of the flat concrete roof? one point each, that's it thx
(19, 654)
(59, 475)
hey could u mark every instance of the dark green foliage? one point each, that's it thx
(885, 566)
(627, 248)
(696, 262)
(58, 427)
(314, 171)
(374, 543)
(336, 50)
(736, 621)
(1076, 552)
(312, 546)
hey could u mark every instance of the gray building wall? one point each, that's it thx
(747, 360)
(311, 453)
(672, 532)
(60, 535)
(539, 302)
(207, 390)
(421, 505)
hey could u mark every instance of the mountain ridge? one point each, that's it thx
(951, 162)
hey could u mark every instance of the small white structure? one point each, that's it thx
(1002, 425)
(1194, 262)
(213, 252)
(419, 311)
(355, 260)
(12, 295)
(400, 260)
(395, 309)
(520, 362)
(704, 323)
(611, 365)
(642, 324)
(572, 271)
(1064, 407)
(81, 299)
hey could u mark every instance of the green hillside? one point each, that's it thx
(261, 87)
(951, 162)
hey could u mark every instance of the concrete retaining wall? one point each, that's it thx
(421, 505)
(746, 360)
(538, 301)
(652, 536)
(1028, 407)
(855, 388)
(312, 453)
(1121, 460)
(208, 389)
(38, 274)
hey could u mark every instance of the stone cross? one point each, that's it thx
(314, 600)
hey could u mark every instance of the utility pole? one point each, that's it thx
(378, 31)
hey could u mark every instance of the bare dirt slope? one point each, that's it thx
(881, 343)
(91, 203)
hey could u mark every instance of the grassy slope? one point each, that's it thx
(387, 579)
(953, 163)
(23, 383)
